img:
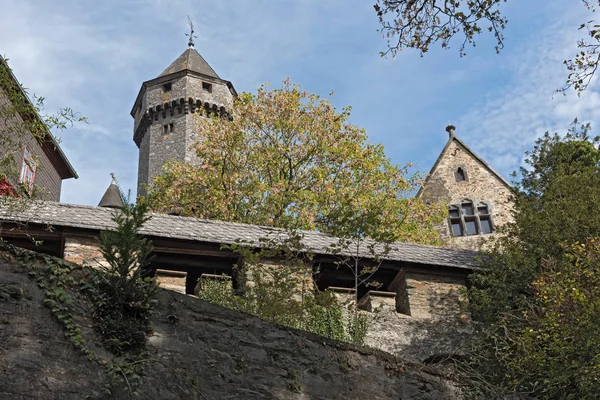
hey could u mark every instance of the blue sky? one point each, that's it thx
(93, 57)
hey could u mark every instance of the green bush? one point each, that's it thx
(317, 312)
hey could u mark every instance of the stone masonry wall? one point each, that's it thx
(481, 185)
(83, 250)
(158, 148)
(438, 325)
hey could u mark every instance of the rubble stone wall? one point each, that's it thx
(83, 250)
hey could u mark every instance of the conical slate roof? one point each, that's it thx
(190, 60)
(112, 198)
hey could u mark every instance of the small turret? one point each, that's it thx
(112, 197)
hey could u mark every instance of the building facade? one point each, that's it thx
(478, 198)
(38, 163)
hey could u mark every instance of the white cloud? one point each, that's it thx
(509, 119)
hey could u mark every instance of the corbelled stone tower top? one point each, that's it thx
(166, 110)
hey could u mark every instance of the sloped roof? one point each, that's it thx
(112, 197)
(208, 231)
(190, 60)
(468, 150)
(55, 154)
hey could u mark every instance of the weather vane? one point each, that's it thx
(191, 34)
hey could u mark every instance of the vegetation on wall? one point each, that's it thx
(289, 159)
(537, 298)
(276, 284)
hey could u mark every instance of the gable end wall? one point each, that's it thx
(481, 185)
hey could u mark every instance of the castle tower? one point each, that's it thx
(478, 198)
(166, 110)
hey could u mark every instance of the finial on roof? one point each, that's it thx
(191, 34)
(450, 129)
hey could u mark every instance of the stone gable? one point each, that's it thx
(476, 182)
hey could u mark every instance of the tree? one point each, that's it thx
(124, 298)
(418, 24)
(536, 295)
(289, 159)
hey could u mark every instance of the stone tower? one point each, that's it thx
(478, 198)
(166, 110)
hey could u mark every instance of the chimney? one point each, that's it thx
(450, 129)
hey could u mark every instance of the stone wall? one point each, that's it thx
(434, 320)
(171, 280)
(481, 185)
(156, 147)
(437, 322)
(83, 250)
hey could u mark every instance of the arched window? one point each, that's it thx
(461, 175)
(468, 219)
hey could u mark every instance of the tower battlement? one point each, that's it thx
(166, 110)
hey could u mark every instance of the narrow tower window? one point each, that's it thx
(207, 87)
(167, 87)
(168, 128)
(461, 176)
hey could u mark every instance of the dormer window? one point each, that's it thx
(466, 219)
(461, 175)
(167, 87)
(207, 87)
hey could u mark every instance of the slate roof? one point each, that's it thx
(190, 60)
(112, 198)
(208, 231)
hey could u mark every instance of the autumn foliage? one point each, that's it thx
(289, 159)
(6, 189)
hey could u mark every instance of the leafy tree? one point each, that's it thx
(419, 24)
(290, 159)
(536, 294)
(557, 201)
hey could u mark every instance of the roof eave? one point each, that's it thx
(62, 156)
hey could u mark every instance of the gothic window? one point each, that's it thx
(461, 174)
(468, 219)
(167, 87)
(28, 170)
(207, 87)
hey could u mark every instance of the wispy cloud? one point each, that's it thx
(94, 56)
(511, 116)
